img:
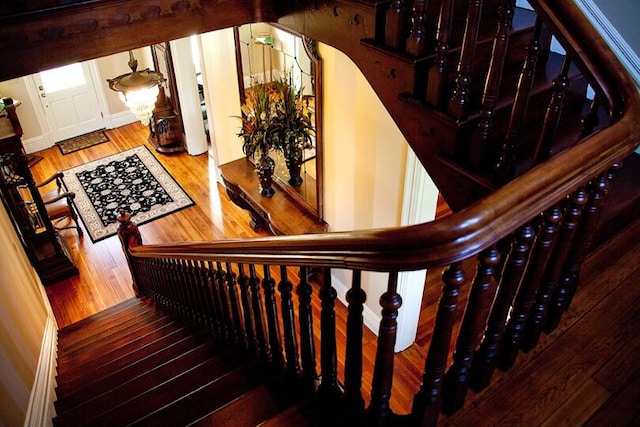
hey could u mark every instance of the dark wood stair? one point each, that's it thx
(133, 365)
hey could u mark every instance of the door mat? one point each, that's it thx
(83, 141)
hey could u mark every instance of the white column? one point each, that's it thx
(419, 205)
(187, 86)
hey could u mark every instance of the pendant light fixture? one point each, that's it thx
(138, 89)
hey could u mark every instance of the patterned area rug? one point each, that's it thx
(83, 141)
(133, 180)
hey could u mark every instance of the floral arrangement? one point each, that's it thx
(293, 128)
(258, 121)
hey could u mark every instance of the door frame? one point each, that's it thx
(34, 97)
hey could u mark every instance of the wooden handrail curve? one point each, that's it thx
(490, 219)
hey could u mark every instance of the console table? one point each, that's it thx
(280, 213)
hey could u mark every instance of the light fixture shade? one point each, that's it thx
(138, 89)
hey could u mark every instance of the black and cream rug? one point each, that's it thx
(133, 180)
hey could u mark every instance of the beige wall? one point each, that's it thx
(24, 311)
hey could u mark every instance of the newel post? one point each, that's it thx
(130, 236)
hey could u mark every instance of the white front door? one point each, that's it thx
(69, 101)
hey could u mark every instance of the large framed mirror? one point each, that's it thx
(266, 52)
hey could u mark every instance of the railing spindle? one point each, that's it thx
(426, 403)
(552, 118)
(581, 244)
(271, 308)
(437, 82)
(416, 42)
(328, 389)
(292, 367)
(484, 361)
(459, 102)
(383, 368)
(353, 357)
(539, 311)
(394, 32)
(249, 333)
(215, 304)
(256, 304)
(491, 93)
(224, 301)
(305, 316)
(505, 169)
(474, 320)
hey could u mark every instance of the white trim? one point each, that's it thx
(122, 118)
(41, 410)
(38, 143)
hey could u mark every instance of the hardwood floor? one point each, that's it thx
(586, 372)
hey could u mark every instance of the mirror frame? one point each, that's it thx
(310, 48)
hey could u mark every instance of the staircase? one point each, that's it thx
(133, 365)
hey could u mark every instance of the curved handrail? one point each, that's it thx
(483, 223)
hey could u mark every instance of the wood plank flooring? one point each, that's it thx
(586, 372)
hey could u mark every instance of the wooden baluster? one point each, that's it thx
(514, 332)
(305, 318)
(474, 321)
(220, 307)
(552, 118)
(353, 357)
(285, 287)
(383, 367)
(196, 298)
(328, 390)
(200, 281)
(459, 102)
(484, 361)
(505, 169)
(491, 94)
(416, 42)
(249, 332)
(591, 119)
(256, 304)
(597, 191)
(437, 82)
(426, 403)
(209, 274)
(184, 311)
(234, 305)
(271, 308)
(394, 32)
(224, 301)
(539, 312)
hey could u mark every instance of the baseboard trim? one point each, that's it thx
(41, 411)
(38, 143)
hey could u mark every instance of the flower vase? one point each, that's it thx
(294, 168)
(264, 167)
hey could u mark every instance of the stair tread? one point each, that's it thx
(111, 312)
(85, 406)
(107, 333)
(294, 416)
(120, 370)
(120, 345)
(203, 399)
(248, 410)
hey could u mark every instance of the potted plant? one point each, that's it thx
(258, 133)
(293, 127)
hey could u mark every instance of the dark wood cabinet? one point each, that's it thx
(46, 250)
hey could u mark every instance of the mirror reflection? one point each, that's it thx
(267, 53)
